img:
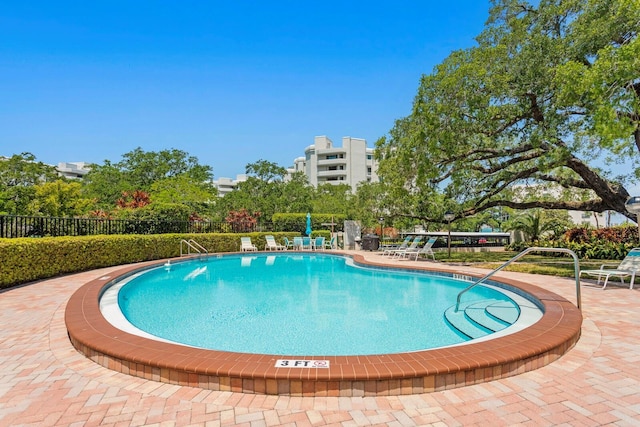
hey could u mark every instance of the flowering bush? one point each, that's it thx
(242, 221)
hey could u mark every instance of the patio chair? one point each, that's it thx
(288, 244)
(318, 245)
(246, 245)
(627, 267)
(297, 243)
(330, 244)
(306, 243)
(426, 250)
(412, 247)
(272, 245)
(403, 245)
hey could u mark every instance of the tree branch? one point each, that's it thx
(587, 206)
(564, 181)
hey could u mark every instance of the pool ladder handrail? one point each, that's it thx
(191, 244)
(576, 266)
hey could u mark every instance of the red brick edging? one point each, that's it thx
(394, 374)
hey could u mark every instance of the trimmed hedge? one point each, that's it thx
(24, 260)
(298, 222)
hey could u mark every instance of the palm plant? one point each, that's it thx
(537, 223)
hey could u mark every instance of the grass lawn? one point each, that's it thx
(561, 266)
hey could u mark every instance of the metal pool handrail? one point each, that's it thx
(192, 244)
(576, 265)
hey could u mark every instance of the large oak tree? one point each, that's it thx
(549, 96)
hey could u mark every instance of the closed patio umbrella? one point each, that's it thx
(308, 231)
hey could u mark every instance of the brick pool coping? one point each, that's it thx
(391, 374)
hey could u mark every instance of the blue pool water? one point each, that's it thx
(300, 304)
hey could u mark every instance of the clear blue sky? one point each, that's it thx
(227, 82)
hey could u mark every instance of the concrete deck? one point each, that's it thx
(45, 381)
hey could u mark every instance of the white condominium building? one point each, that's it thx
(227, 185)
(73, 170)
(323, 163)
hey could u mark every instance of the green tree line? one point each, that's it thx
(171, 185)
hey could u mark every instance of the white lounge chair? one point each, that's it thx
(246, 245)
(412, 247)
(272, 245)
(426, 250)
(627, 267)
(402, 246)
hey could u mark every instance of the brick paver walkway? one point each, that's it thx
(44, 381)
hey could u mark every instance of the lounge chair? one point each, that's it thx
(272, 245)
(426, 250)
(318, 245)
(412, 247)
(288, 244)
(402, 246)
(246, 245)
(627, 267)
(330, 244)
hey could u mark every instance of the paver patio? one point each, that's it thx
(45, 381)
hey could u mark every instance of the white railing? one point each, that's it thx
(191, 245)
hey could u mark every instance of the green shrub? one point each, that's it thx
(617, 234)
(26, 259)
(598, 249)
(297, 222)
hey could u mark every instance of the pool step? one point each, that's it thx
(476, 319)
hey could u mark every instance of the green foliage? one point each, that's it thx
(538, 223)
(18, 176)
(140, 170)
(329, 198)
(59, 199)
(611, 243)
(266, 171)
(184, 190)
(267, 192)
(24, 259)
(156, 212)
(550, 89)
(297, 222)
(105, 184)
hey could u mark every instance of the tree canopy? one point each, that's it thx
(18, 176)
(550, 97)
(171, 173)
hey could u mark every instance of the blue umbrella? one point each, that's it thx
(308, 224)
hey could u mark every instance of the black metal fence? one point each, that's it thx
(30, 226)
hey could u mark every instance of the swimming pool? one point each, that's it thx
(304, 304)
(423, 371)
